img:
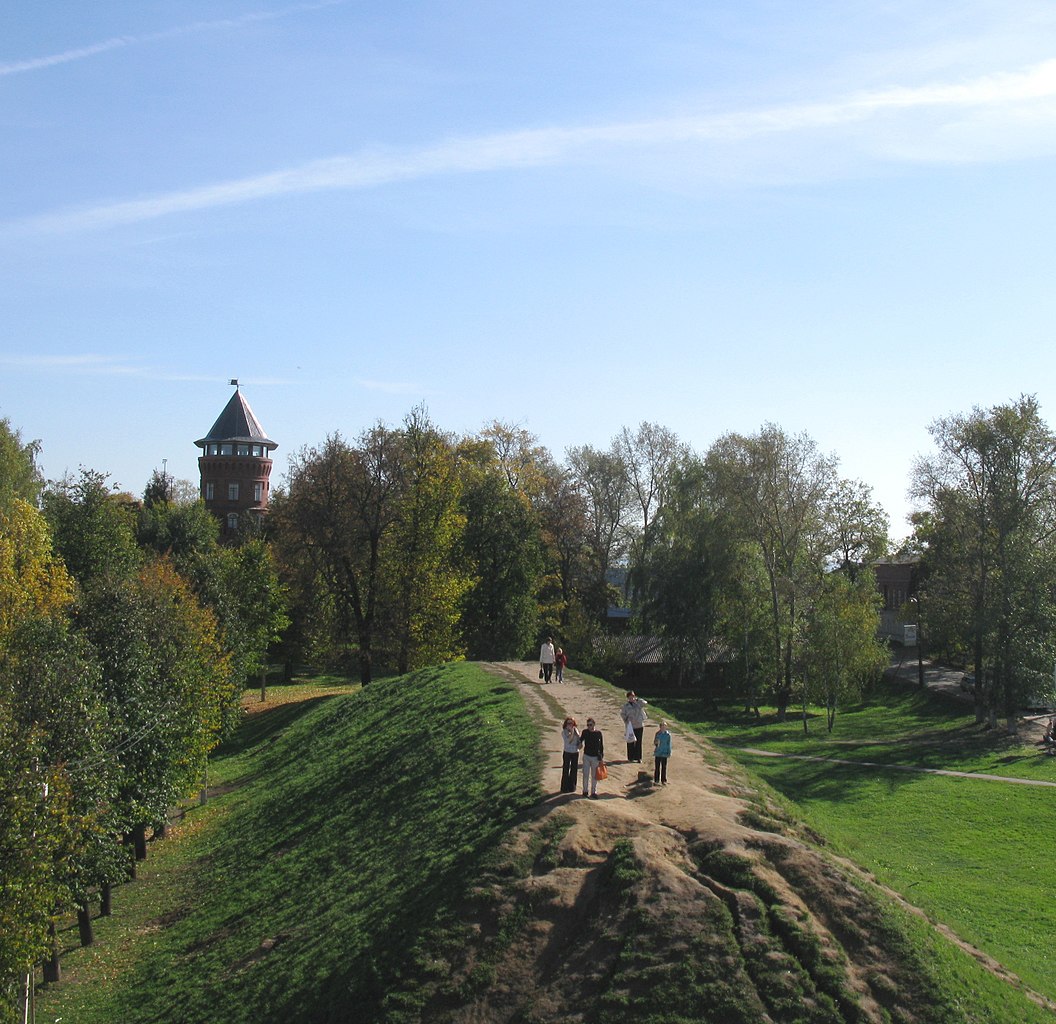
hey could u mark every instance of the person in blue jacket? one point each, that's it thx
(661, 752)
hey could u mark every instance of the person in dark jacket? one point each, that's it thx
(593, 744)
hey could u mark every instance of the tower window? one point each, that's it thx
(210, 490)
(226, 448)
(258, 450)
(232, 521)
(232, 492)
(258, 492)
(243, 449)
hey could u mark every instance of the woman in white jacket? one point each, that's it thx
(546, 658)
(634, 715)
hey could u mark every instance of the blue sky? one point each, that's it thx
(569, 216)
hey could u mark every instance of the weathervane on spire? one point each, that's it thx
(234, 380)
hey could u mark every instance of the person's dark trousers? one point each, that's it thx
(548, 671)
(636, 747)
(569, 771)
(660, 771)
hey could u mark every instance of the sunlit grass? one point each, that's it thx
(347, 826)
(973, 854)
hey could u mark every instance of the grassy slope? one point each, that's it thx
(355, 822)
(975, 855)
(353, 827)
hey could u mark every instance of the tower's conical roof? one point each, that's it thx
(237, 423)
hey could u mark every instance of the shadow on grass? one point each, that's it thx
(266, 725)
(361, 824)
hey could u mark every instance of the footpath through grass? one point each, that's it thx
(349, 827)
(975, 855)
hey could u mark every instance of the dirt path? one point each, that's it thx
(707, 808)
(679, 806)
(755, 752)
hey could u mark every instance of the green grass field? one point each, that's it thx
(326, 879)
(348, 827)
(975, 855)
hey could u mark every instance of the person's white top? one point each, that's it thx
(546, 654)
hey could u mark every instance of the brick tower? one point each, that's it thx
(235, 465)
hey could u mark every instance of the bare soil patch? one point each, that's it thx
(700, 894)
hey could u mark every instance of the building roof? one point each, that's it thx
(237, 423)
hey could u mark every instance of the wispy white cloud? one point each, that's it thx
(1012, 91)
(120, 42)
(393, 387)
(95, 365)
(87, 362)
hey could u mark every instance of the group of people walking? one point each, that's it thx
(592, 743)
(552, 662)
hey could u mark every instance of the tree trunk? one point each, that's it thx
(128, 842)
(263, 687)
(52, 967)
(139, 838)
(162, 830)
(27, 998)
(84, 924)
(106, 900)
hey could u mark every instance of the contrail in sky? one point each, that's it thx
(550, 146)
(120, 42)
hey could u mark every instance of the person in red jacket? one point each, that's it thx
(560, 661)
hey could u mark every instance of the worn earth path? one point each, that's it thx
(708, 805)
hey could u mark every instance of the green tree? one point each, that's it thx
(177, 528)
(501, 549)
(33, 580)
(602, 481)
(571, 591)
(687, 568)
(35, 829)
(990, 568)
(423, 577)
(93, 528)
(331, 525)
(842, 652)
(525, 463)
(774, 490)
(650, 455)
(49, 680)
(859, 527)
(19, 475)
(166, 681)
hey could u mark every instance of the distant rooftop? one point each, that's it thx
(237, 423)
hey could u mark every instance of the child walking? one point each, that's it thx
(560, 661)
(661, 752)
